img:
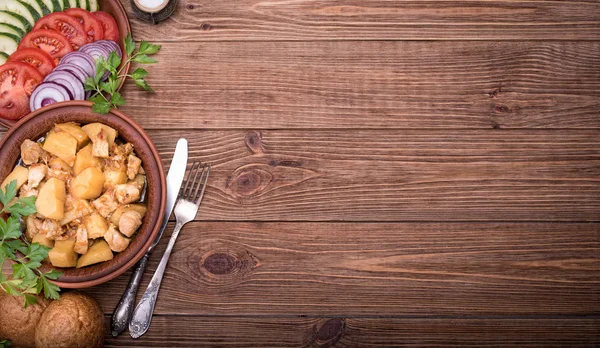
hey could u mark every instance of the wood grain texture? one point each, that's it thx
(371, 85)
(257, 20)
(391, 175)
(363, 332)
(354, 269)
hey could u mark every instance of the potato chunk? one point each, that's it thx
(98, 252)
(50, 202)
(114, 177)
(116, 216)
(61, 145)
(116, 241)
(84, 159)
(75, 131)
(88, 184)
(31, 152)
(129, 222)
(43, 240)
(63, 254)
(95, 225)
(20, 174)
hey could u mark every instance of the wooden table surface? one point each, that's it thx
(385, 173)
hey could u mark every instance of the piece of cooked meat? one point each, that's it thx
(51, 228)
(31, 152)
(116, 241)
(81, 243)
(37, 173)
(129, 222)
(100, 146)
(33, 226)
(133, 166)
(26, 191)
(106, 203)
(127, 193)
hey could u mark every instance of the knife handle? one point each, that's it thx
(123, 311)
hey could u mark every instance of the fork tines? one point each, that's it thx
(193, 193)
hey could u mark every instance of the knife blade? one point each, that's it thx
(122, 315)
(174, 180)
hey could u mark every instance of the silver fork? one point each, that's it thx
(185, 211)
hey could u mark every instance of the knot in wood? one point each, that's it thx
(501, 109)
(220, 263)
(253, 141)
(330, 332)
(225, 265)
(249, 181)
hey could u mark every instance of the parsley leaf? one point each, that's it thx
(26, 278)
(105, 94)
(9, 192)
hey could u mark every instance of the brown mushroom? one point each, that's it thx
(74, 320)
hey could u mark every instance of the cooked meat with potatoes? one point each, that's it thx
(88, 187)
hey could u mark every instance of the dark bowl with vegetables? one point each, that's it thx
(37, 124)
(67, 81)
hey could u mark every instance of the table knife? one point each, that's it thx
(122, 315)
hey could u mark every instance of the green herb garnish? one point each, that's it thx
(27, 280)
(5, 343)
(105, 93)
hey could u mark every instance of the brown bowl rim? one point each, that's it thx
(163, 191)
(8, 124)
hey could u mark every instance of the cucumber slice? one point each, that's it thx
(12, 22)
(49, 4)
(3, 57)
(94, 5)
(8, 43)
(17, 9)
(7, 29)
(34, 5)
(66, 4)
(84, 4)
(23, 22)
(34, 13)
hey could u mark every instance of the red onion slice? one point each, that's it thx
(96, 51)
(68, 80)
(112, 46)
(81, 59)
(48, 93)
(73, 69)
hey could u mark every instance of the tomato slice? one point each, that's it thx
(91, 24)
(49, 41)
(68, 26)
(111, 30)
(17, 82)
(34, 57)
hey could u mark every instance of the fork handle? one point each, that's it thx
(142, 315)
(122, 314)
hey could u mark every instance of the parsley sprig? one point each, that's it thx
(104, 93)
(4, 343)
(26, 280)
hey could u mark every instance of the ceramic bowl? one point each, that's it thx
(115, 9)
(36, 124)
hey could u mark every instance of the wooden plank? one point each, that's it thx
(390, 175)
(256, 20)
(361, 332)
(383, 269)
(371, 85)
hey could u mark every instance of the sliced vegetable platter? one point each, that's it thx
(49, 47)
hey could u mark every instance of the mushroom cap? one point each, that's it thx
(17, 323)
(74, 320)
